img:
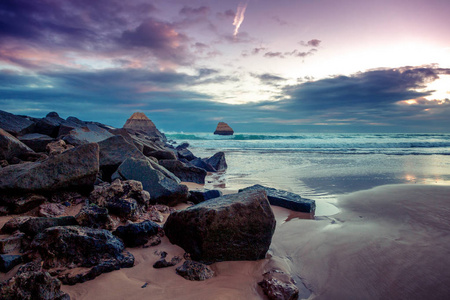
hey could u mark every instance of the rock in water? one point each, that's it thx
(183, 171)
(223, 129)
(76, 168)
(285, 199)
(140, 122)
(232, 227)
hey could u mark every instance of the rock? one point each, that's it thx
(163, 170)
(277, 285)
(140, 122)
(76, 168)
(32, 286)
(202, 164)
(67, 198)
(113, 151)
(162, 189)
(15, 125)
(11, 243)
(89, 133)
(232, 227)
(58, 147)
(183, 171)
(201, 196)
(182, 146)
(154, 215)
(217, 161)
(50, 210)
(94, 217)
(137, 234)
(162, 154)
(195, 271)
(127, 199)
(36, 141)
(223, 129)
(18, 204)
(49, 125)
(7, 262)
(163, 263)
(185, 154)
(285, 199)
(75, 246)
(34, 226)
(14, 224)
(11, 147)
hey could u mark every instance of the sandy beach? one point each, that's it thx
(390, 242)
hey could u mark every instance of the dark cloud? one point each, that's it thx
(268, 78)
(199, 11)
(311, 43)
(272, 54)
(228, 14)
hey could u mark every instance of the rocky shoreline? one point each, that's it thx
(76, 195)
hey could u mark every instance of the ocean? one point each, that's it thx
(326, 165)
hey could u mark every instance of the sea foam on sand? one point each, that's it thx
(390, 242)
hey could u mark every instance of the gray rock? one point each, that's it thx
(137, 234)
(232, 227)
(36, 141)
(201, 196)
(285, 199)
(201, 163)
(161, 188)
(89, 133)
(7, 262)
(76, 168)
(16, 125)
(184, 172)
(11, 147)
(195, 271)
(217, 161)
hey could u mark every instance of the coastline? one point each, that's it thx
(386, 242)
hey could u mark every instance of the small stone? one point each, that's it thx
(194, 271)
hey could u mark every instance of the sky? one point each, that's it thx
(259, 65)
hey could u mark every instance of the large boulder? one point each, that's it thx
(76, 168)
(74, 246)
(162, 189)
(11, 147)
(232, 227)
(36, 141)
(113, 152)
(49, 125)
(183, 171)
(140, 122)
(35, 285)
(223, 129)
(202, 196)
(285, 199)
(137, 234)
(16, 125)
(184, 153)
(88, 133)
(217, 161)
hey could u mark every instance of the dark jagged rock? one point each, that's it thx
(285, 199)
(185, 154)
(201, 196)
(195, 271)
(162, 189)
(32, 286)
(51, 210)
(113, 152)
(163, 263)
(183, 171)
(75, 246)
(217, 161)
(36, 141)
(201, 163)
(137, 234)
(11, 243)
(94, 217)
(15, 125)
(34, 226)
(126, 199)
(162, 154)
(18, 204)
(182, 146)
(14, 224)
(76, 168)
(11, 147)
(49, 125)
(223, 129)
(57, 147)
(88, 133)
(277, 285)
(232, 227)
(7, 262)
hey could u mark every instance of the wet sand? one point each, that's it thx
(390, 242)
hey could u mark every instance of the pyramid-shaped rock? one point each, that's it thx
(223, 129)
(140, 122)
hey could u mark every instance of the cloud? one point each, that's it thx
(311, 43)
(239, 17)
(193, 12)
(269, 78)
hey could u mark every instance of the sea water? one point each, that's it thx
(324, 166)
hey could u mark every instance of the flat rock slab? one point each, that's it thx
(232, 227)
(285, 199)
